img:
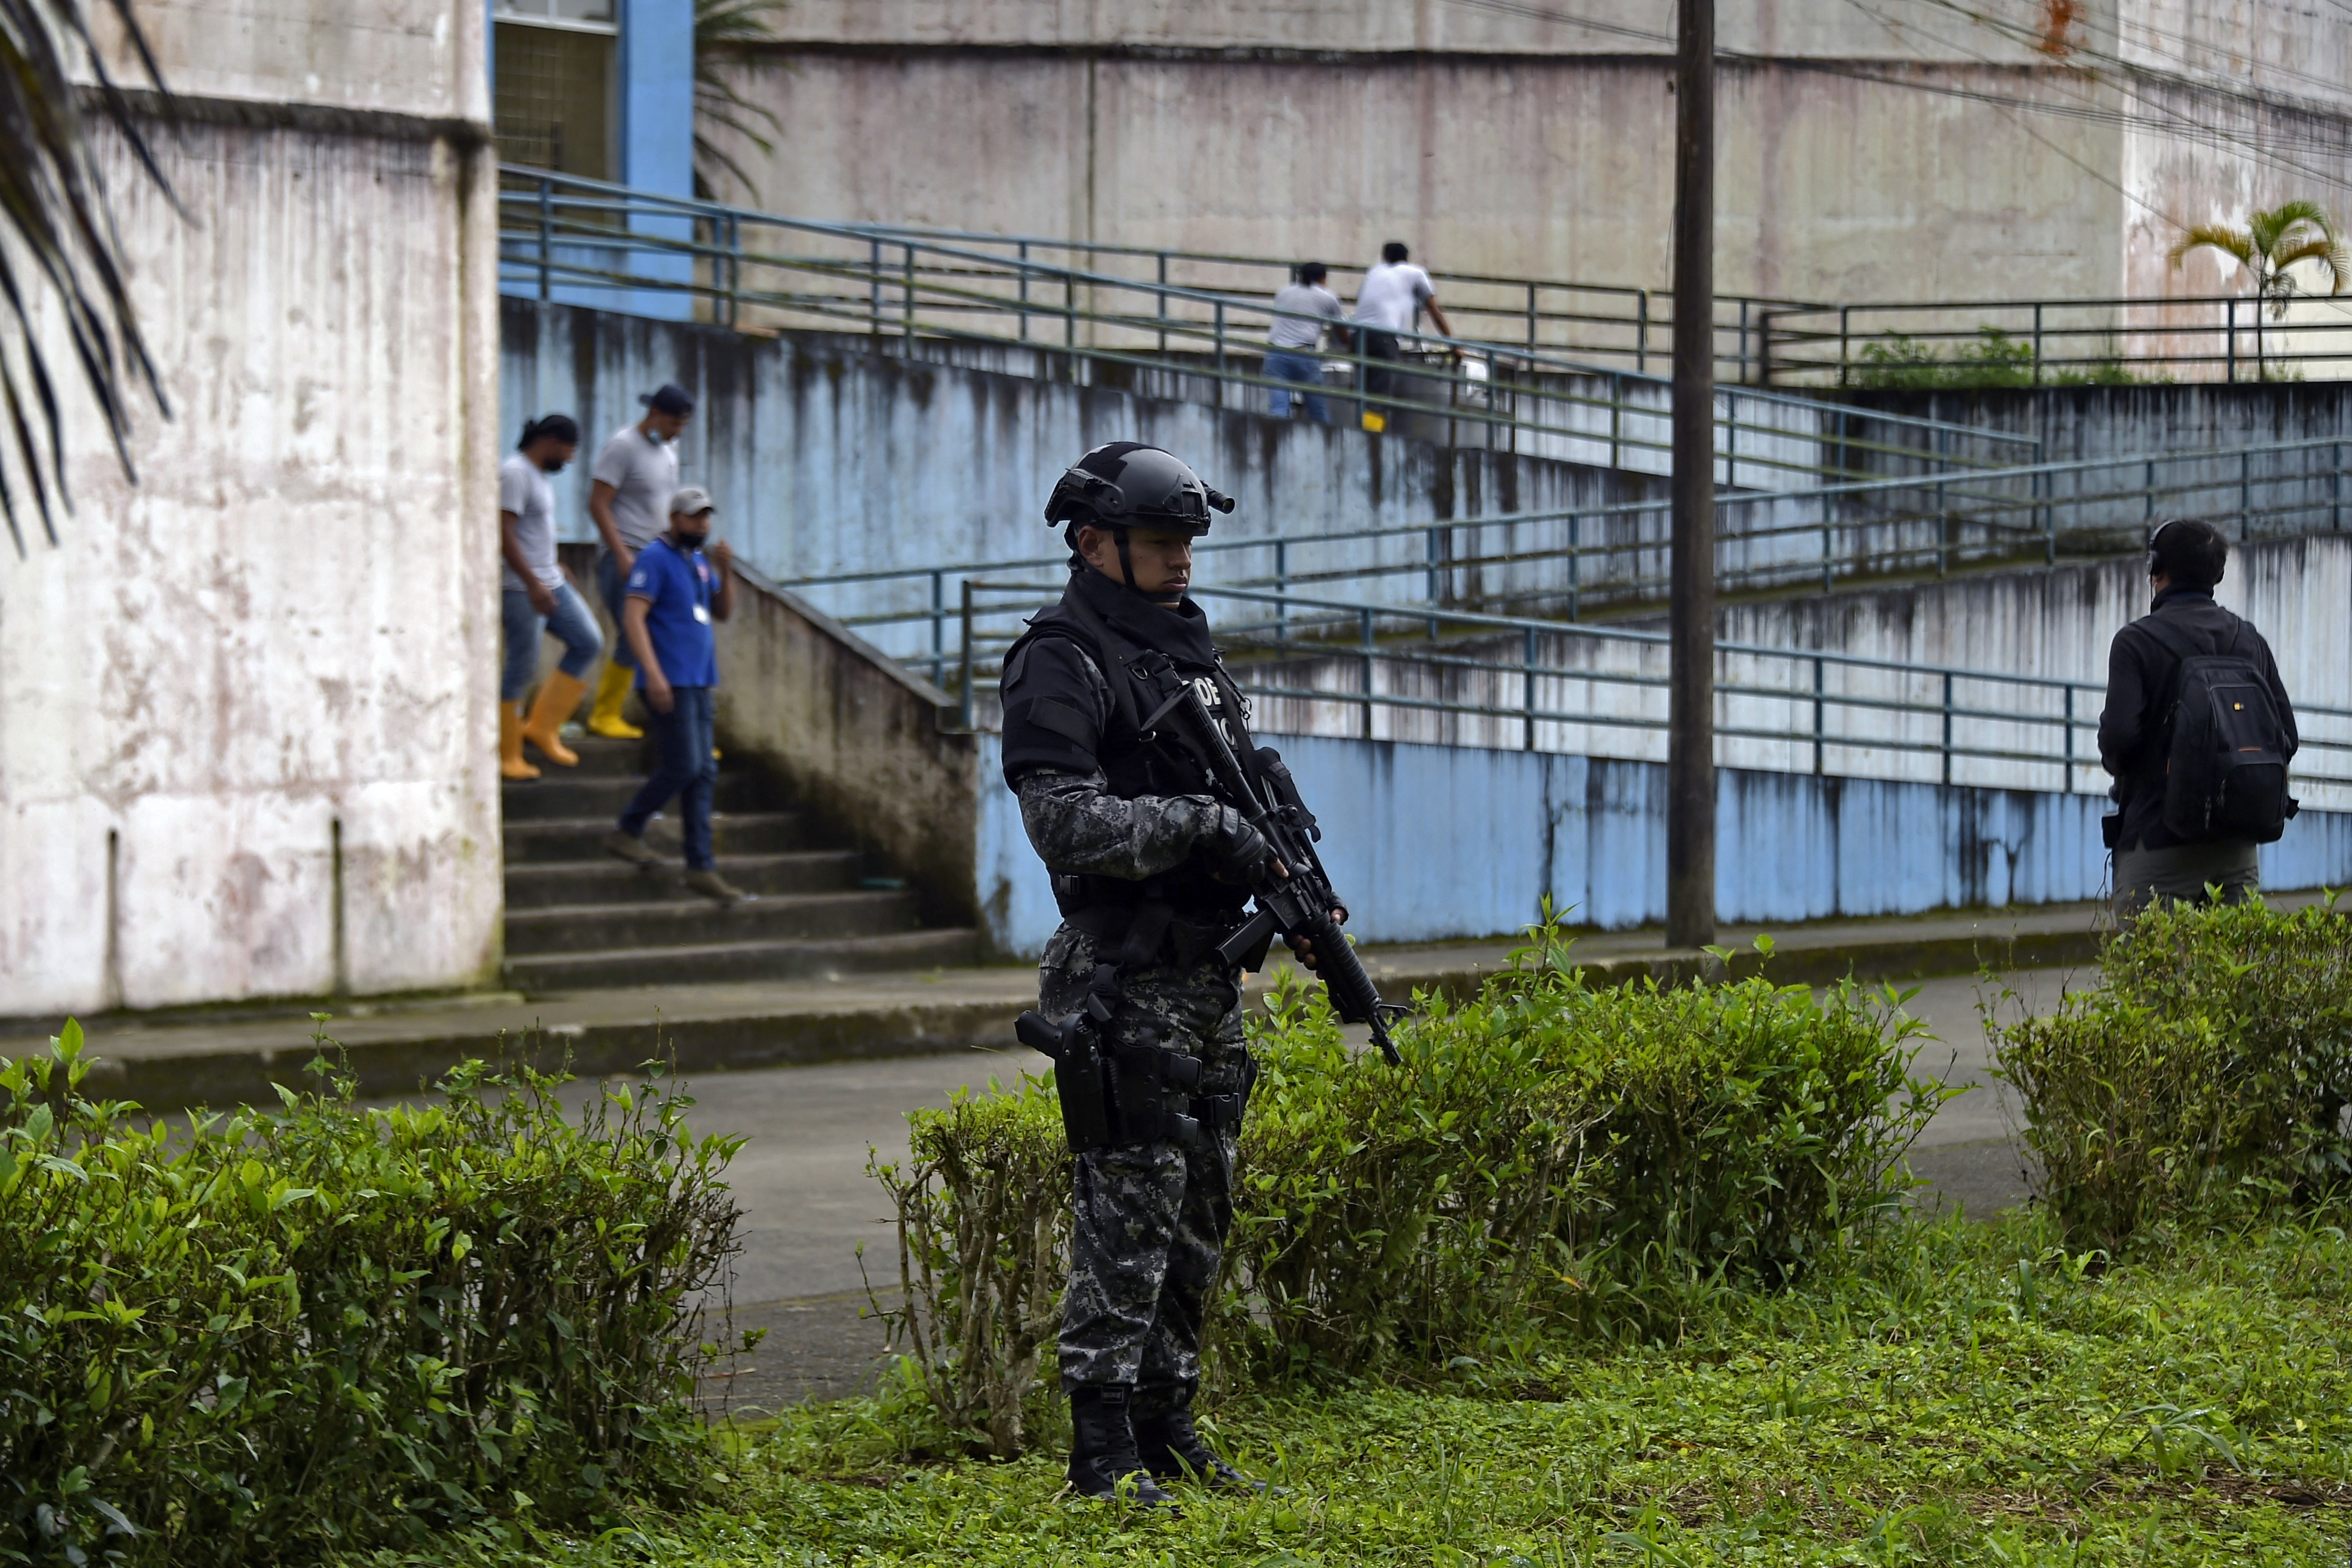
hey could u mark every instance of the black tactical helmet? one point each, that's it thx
(1125, 483)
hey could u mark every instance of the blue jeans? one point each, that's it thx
(609, 588)
(682, 740)
(572, 625)
(1283, 365)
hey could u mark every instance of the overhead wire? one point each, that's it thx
(2153, 117)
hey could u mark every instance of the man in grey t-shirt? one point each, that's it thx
(1290, 346)
(632, 482)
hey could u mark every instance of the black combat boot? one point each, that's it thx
(1173, 1452)
(1102, 1446)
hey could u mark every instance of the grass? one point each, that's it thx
(1970, 1395)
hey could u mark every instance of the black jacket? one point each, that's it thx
(2135, 739)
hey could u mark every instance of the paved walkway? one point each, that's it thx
(817, 1073)
(810, 1206)
(225, 1057)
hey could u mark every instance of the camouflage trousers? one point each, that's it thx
(1149, 1221)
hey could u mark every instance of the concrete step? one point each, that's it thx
(674, 922)
(601, 758)
(612, 1013)
(716, 962)
(583, 838)
(536, 885)
(560, 794)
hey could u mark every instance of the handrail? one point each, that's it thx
(1583, 556)
(1645, 320)
(1505, 391)
(1959, 726)
(2039, 342)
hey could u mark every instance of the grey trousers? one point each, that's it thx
(2183, 872)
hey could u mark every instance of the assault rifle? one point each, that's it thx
(1298, 905)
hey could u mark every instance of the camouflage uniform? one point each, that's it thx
(1121, 821)
(1150, 1219)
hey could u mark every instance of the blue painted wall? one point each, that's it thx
(1431, 842)
(655, 110)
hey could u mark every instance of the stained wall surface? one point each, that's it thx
(247, 705)
(1899, 152)
(1434, 842)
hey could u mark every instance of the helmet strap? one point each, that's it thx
(1126, 561)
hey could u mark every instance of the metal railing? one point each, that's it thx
(1609, 325)
(1570, 562)
(2051, 342)
(1509, 683)
(993, 298)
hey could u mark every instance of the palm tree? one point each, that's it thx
(720, 28)
(58, 239)
(2271, 244)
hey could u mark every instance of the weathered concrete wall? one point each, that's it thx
(825, 458)
(868, 747)
(1433, 843)
(405, 58)
(246, 707)
(2054, 624)
(1911, 154)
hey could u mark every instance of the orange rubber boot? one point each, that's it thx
(510, 762)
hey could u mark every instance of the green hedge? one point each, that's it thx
(2205, 1079)
(1550, 1158)
(256, 1337)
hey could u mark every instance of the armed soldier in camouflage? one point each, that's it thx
(1150, 870)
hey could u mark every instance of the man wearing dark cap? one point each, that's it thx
(633, 478)
(2197, 732)
(675, 592)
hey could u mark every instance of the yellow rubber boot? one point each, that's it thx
(510, 762)
(558, 700)
(606, 718)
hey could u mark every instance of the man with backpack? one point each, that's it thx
(2197, 732)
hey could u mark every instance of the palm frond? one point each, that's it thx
(55, 205)
(719, 27)
(2272, 228)
(2237, 243)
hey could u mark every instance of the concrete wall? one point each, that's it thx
(2055, 623)
(1431, 842)
(246, 706)
(827, 458)
(1907, 153)
(869, 748)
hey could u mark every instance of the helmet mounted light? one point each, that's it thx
(1126, 483)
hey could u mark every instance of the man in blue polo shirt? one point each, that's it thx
(674, 594)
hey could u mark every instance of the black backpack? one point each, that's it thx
(2225, 773)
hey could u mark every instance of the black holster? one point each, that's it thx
(1124, 1094)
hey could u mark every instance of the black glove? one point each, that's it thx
(1239, 850)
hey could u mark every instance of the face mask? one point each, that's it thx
(554, 465)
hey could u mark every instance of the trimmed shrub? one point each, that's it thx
(984, 1211)
(263, 1337)
(1550, 1158)
(2205, 1080)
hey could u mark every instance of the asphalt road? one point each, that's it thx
(809, 1205)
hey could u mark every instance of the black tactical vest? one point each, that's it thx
(1048, 727)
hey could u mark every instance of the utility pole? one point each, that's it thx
(1690, 719)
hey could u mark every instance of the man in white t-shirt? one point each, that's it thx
(1387, 305)
(633, 478)
(1302, 309)
(535, 598)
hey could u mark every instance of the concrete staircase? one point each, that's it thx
(578, 918)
